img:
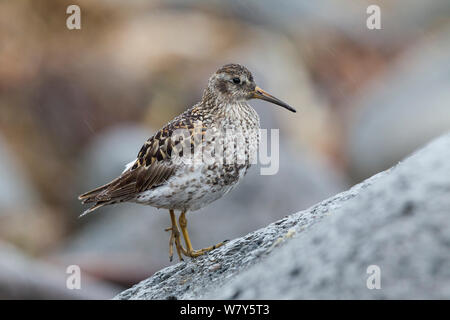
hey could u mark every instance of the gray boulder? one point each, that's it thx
(25, 277)
(403, 20)
(397, 220)
(402, 109)
(15, 190)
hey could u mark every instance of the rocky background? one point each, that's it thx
(75, 106)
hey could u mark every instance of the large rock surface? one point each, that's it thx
(397, 220)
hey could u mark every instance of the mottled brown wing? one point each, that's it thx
(134, 181)
(153, 165)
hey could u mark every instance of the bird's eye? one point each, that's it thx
(236, 80)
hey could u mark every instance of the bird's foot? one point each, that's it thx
(198, 253)
(174, 241)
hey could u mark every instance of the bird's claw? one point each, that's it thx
(175, 241)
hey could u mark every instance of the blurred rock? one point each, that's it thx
(15, 191)
(105, 157)
(35, 230)
(24, 220)
(401, 21)
(402, 109)
(396, 220)
(129, 240)
(22, 277)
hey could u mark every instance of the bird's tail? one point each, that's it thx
(95, 207)
(92, 197)
(119, 190)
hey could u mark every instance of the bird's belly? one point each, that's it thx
(198, 183)
(191, 189)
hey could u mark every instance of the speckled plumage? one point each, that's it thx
(182, 166)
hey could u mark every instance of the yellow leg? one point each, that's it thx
(175, 238)
(190, 250)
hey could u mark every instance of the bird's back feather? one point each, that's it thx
(152, 167)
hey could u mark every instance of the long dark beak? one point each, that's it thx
(263, 95)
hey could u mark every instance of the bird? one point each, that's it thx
(171, 173)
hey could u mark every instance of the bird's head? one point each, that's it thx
(234, 83)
